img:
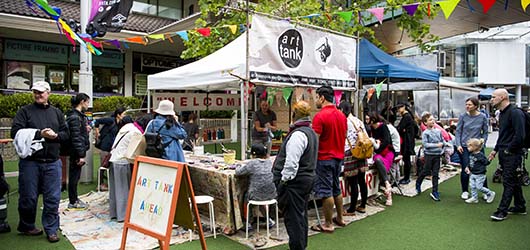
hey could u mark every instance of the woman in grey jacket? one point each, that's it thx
(472, 124)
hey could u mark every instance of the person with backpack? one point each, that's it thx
(166, 125)
(513, 132)
(79, 144)
(472, 124)
(406, 132)
(105, 136)
(123, 152)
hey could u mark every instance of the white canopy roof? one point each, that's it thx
(221, 70)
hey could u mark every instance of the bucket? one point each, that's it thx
(230, 157)
(198, 150)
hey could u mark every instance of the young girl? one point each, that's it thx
(260, 186)
(477, 171)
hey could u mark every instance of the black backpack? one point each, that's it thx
(154, 146)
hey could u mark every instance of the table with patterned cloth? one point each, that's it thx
(211, 176)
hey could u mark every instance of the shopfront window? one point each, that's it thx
(163, 8)
(105, 81)
(461, 63)
(20, 75)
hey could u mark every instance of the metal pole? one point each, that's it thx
(357, 79)
(244, 90)
(85, 86)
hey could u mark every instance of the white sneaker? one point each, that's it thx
(485, 197)
(272, 223)
(491, 197)
(472, 200)
(464, 195)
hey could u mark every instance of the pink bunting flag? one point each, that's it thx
(486, 4)
(411, 8)
(204, 31)
(263, 94)
(338, 96)
(378, 13)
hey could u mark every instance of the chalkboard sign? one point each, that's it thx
(159, 197)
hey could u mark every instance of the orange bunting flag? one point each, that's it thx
(486, 4)
(204, 32)
(370, 93)
(168, 37)
(328, 16)
(136, 39)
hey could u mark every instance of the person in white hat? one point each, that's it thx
(40, 173)
(166, 123)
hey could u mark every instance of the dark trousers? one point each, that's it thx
(464, 177)
(34, 178)
(74, 173)
(293, 201)
(407, 166)
(355, 183)
(432, 166)
(510, 182)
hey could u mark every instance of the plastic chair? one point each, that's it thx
(266, 204)
(206, 199)
(99, 177)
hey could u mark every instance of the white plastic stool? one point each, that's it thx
(99, 177)
(266, 204)
(206, 199)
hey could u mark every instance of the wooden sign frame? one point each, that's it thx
(182, 180)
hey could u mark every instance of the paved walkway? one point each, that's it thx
(492, 139)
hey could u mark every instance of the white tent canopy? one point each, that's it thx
(221, 70)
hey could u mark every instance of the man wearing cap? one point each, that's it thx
(41, 171)
(331, 127)
(294, 173)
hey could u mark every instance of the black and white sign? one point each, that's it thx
(291, 48)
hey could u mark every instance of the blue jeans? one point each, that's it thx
(464, 177)
(39, 178)
(477, 184)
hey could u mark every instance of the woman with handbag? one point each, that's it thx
(354, 168)
(122, 157)
(384, 152)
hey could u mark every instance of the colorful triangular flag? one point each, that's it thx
(346, 15)
(525, 4)
(486, 4)
(411, 8)
(204, 31)
(448, 7)
(379, 88)
(183, 34)
(378, 13)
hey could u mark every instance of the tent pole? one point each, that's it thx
(439, 109)
(387, 98)
(148, 101)
(357, 83)
(244, 92)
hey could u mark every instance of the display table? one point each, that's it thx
(210, 176)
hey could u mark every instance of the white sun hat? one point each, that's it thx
(165, 107)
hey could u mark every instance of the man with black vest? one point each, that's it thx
(294, 172)
(509, 147)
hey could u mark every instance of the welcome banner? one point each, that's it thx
(282, 52)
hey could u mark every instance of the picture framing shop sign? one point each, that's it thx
(160, 196)
(200, 101)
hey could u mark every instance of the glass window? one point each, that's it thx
(104, 80)
(20, 75)
(163, 8)
(461, 62)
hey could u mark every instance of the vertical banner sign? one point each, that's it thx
(109, 15)
(160, 196)
(282, 52)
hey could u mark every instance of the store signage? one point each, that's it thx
(160, 62)
(202, 101)
(109, 59)
(35, 52)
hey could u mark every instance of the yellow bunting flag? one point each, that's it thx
(448, 7)
(233, 28)
(525, 3)
(157, 36)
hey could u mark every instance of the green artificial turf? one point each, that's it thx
(412, 223)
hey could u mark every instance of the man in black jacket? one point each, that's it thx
(41, 171)
(294, 173)
(511, 134)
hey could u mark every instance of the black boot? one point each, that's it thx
(4, 227)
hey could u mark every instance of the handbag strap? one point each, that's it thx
(115, 145)
(349, 143)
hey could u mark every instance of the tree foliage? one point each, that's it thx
(215, 14)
